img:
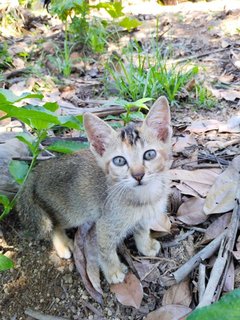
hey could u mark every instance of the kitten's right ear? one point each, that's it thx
(100, 134)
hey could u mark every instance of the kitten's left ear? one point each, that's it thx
(99, 133)
(158, 119)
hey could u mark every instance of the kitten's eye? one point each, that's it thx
(149, 155)
(119, 161)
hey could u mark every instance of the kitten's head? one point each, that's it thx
(136, 156)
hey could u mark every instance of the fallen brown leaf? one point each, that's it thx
(147, 271)
(80, 260)
(162, 224)
(184, 142)
(178, 294)
(228, 95)
(169, 312)
(191, 211)
(217, 227)
(129, 292)
(203, 126)
(221, 197)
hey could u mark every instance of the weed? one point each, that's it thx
(204, 98)
(147, 75)
(5, 58)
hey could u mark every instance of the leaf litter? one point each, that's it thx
(199, 184)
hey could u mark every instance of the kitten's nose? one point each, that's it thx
(138, 176)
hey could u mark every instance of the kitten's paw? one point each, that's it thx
(117, 274)
(64, 252)
(150, 248)
(154, 248)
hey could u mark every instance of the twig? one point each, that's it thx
(205, 253)
(201, 280)
(220, 267)
(40, 316)
(30, 158)
(200, 55)
(92, 308)
(177, 240)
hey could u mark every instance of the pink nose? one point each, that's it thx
(138, 176)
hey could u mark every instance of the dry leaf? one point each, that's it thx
(232, 126)
(236, 253)
(147, 271)
(184, 142)
(169, 312)
(80, 260)
(203, 126)
(221, 197)
(191, 211)
(185, 189)
(178, 294)
(162, 224)
(229, 281)
(228, 95)
(213, 146)
(205, 176)
(91, 255)
(129, 292)
(217, 227)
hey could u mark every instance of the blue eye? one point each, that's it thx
(119, 161)
(149, 154)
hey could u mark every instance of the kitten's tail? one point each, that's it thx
(32, 216)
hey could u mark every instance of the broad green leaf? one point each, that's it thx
(9, 96)
(113, 9)
(71, 122)
(27, 139)
(228, 308)
(138, 115)
(4, 200)
(18, 170)
(51, 106)
(130, 23)
(5, 263)
(36, 117)
(68, 146)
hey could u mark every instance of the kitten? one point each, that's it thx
(121, 184)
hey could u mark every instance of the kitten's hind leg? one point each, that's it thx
(145, 243)
(62, 244)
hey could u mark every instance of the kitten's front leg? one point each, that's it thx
(114, 271)
(145, 243)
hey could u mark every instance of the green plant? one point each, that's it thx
(131, 113)
(204, 98)
(147, 75)
(40, 120)
(227, 308)
(5, 58)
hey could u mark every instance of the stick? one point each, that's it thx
(221, 265)
(177, 240)
(205, 253)
(201, 280)
(200, 55)
(40, 316)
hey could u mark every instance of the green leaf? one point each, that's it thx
(68, 146)
(27, 139)
(51, 106)
(71, 122)
(138, 115)
(228, 308)
(34, 116)
(9, 96)
(18, 170)
(130, 23)
(5, 263)
(113, 9)
(4, 200)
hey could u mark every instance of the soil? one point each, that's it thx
(43, 282)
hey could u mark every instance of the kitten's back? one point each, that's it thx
(63, 191)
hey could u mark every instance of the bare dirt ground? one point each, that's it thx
(41, 281)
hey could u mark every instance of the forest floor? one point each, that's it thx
(208, 35)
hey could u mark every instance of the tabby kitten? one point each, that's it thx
(121, 184)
